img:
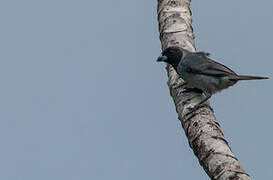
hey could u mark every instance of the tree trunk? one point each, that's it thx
(203, 132)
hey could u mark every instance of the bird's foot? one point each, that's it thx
(190, 89)
(192, 110)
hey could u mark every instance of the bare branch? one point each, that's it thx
(203, 132)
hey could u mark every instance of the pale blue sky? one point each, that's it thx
(82, 97)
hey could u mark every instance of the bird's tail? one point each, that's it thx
(242, 77)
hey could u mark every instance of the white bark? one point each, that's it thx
(203, 132)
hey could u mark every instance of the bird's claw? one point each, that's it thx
(189, 89)
(192, 110)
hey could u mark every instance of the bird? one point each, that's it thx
(200, 72)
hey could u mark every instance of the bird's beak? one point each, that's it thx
(162, 59)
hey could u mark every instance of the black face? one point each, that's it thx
(171, 55)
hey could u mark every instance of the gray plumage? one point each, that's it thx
(201, 72)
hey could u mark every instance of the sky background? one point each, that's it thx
(82, 97)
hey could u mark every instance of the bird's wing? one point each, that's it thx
(206, 66)
(203, 53)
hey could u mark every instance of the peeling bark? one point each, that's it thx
(203, 132)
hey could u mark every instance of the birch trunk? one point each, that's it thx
(203, 132)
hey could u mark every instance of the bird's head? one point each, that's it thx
(171, 55)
